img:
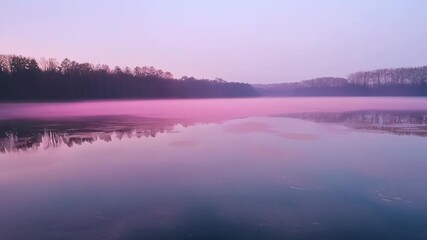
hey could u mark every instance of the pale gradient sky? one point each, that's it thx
(249, 41)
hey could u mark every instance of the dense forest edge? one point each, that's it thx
(27, 79)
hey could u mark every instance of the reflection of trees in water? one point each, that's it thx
(395, 122)
(21, 135)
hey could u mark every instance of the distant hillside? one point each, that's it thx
(300, 88)
(380, 82)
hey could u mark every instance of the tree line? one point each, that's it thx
(414, 76)
(381, 82)
(25, 78)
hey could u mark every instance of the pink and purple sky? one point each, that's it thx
(239, 40)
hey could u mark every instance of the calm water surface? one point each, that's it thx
(279, 168)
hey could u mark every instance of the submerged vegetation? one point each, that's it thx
(25, 78)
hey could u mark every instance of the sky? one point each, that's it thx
(264, 41)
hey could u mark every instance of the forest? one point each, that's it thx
(381, 82)
(25, 78)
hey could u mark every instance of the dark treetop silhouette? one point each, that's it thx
(23, 78)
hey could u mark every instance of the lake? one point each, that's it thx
(262, 168)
